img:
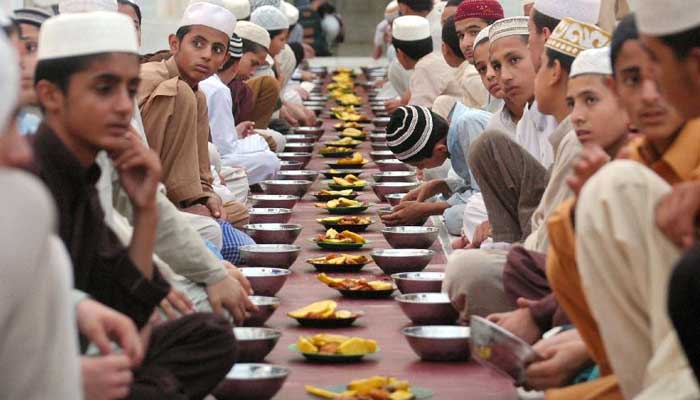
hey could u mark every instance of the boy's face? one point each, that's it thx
(450, 57)
(467, 30)
(550, 85)
(131, 13)
(511, 61)
(536, 41)
(15, 152)
(449, 12)
(596, 113)
(200, 54)
(638, 90)
(436, 159)
(679, 79)
(249, 64)
(96, 108)
(29, 43)
(278, 43)
(488, 75)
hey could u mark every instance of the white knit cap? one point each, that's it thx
(241, 8)
(80, 6)
(583, 10)
(508, 27)
(255, 4)
(592, 61)
(391, 11)
(410, 28)
(9, 78)
(667, 17)
(482, 36)
(210, 15)
(291, 12)
(254, 33)
(270, 18)
(4, 19)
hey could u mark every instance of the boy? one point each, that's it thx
(86, 90)
(426, 9)
(237, 146)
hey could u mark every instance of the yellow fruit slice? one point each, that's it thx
(305, 346)
(354, 236)
(320, 307)
(402, 395)
(381, 285)
(343, 314)
(352, 347)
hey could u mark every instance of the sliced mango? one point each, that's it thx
(306, 346)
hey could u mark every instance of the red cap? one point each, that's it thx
(484, 9)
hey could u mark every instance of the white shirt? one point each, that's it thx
(435, 19)
(502, 121)
(431, 78)
(533, 132)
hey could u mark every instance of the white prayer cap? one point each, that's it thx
(661, 18)
(269, 17)
(391, 11)
(410, 28)
(81, 6)
(4, 19)
(255, 4)
(241, 8)
(571, 37)
(583, 10)
(227, 4)
(82, 34)
(592, 62)
(254, 33)
(210, 15)
(482, 36)
(508, 27)
(9, 77)
(291, 12)
(269, 60)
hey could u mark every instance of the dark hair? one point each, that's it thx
(564, 60)
(418, 5)
(229, 63)
(274, 33)
(182, 32)
(453, 3)
(542, 21)
(439, 132)
(450, 38)
(414, 49)
(59, 71)
(682, 43)
(250, 46)
(136, 8)
(626, 30)
(298, 50)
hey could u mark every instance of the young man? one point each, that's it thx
(450, 44)
(623, 260)
(426, 9)
(237, 145)
(86, 89)
(676, 47)
(133, 10)
(175, 115)
(432, 76)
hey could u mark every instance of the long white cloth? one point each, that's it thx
(533, 132)
(251, 153)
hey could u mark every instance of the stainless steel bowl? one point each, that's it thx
(439, 342)
(270, 215)
(308, 130)
(381, 189)
(266, 307)
(314, 103)
(393, 261)
(393, 165)
(254, 344)
(273, 201)
(410, 237)
(419, 282)
(382, 155)
(304, 158)
(395, 198)
(299, 175)
(273, 233)
(428, 308)
(299, 147)
(266, 281)
(301, 139)
(394, 176)
(381, 122)
(316, 109)
(270, 255)
(290, 165)
(252, 382)
(293, 188)
(379, 146)
(388, 210)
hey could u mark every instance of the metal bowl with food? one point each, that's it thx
(298, 175)
(419, 282)
(379, 146)
(428, 308)
(439, 342)
(286, 187)
(266, 281)
(392, 261)
(410, 237)
(295, 138)
(254, 344)
(304, 158)
(290, 165)
(252, 382)
(381, 122)
(270, 215)
(393, 165)
(395, 176)
(382, 155)
(270, 255)
(273, 201)
(378, 137)
(299, 147)
(266, 307)
(381, 189)
(394, 199)
(273, 233)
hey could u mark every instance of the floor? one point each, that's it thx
(383, 321)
